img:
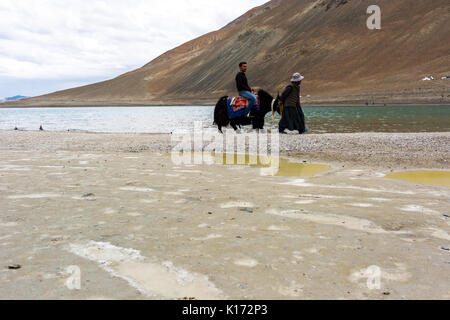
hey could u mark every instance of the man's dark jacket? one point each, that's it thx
(242, 83)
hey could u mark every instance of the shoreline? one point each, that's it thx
(372, 149)
(213, 104)
(157, 133)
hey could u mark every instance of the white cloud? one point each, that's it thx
(81, 39)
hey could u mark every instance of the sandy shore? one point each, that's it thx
(384, 150)
(114, 209)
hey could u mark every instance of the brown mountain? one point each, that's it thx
(326, 40)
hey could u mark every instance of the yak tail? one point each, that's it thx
(221, 118)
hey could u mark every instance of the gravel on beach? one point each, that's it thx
(391, 150)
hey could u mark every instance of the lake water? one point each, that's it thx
(168, 119)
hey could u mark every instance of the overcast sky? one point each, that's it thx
(49, 45)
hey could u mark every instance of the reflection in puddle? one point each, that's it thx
(436, 178)
(270, 165)
(295, 169)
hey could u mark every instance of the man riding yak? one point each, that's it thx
(292, 116)
(243, 88)
(249, 108)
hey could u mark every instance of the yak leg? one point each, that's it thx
(256, 122)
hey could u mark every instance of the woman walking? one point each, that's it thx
(292, 117)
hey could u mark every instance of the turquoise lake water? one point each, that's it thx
(168, 119)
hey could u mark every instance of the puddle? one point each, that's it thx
(295, 169)
(435, 178)
(374, 275)
(35, 196)
(348, 222)
(209, 237)
(268, 165)
(150, 278)
(236, 204)
(137, 189)
(246, 262)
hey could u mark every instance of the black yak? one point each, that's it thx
(256, 118)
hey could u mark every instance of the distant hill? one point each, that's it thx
(15, 98)
(326, 40)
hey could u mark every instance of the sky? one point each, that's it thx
(51, 45)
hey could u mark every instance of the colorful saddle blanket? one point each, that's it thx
(236, 106)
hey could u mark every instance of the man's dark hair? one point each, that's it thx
(242, 63)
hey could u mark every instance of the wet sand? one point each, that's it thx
(137, 226)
